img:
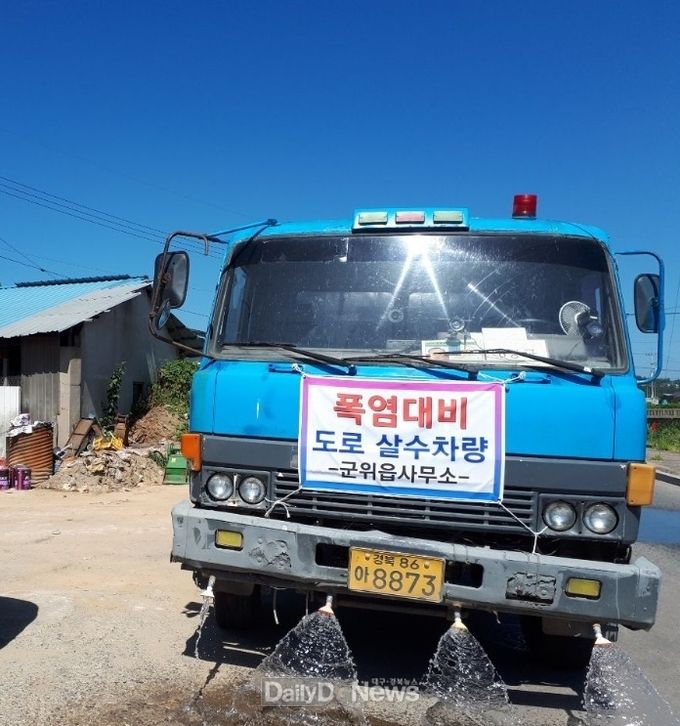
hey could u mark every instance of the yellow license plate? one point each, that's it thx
(396, 574)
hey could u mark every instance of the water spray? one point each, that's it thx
(600, 640)
(458, 623)
(208, 593)
(208, 596)
(327, 609)
(274, 611)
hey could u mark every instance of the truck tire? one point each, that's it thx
(236, 611)
(558, 651)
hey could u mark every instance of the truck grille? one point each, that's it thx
(367, 508)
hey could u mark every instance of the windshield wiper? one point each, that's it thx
(351, 368)
(554, 362)
(414, 360)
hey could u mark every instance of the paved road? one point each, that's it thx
(667, 464)
(97, 627)
(657, 651)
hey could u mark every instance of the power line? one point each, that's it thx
(13, 182)
(78, 216)
(17, 250)
(81, 212)
(35, 267)
(73, 264)
(85, 213)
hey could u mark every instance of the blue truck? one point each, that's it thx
(423, 410)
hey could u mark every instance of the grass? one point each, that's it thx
(664, 435)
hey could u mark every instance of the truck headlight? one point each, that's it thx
(220, 487)
(600, 518)
(559, 516)
(252, 490)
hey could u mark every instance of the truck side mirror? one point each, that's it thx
(170, 285)
(647, 303)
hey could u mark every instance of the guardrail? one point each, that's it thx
(663, 413)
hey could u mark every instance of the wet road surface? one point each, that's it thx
(100, 629)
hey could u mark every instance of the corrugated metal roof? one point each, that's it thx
(53, 307)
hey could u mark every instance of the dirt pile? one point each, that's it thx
(104, 471)
(158, 424)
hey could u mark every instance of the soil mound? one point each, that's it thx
(158, 424)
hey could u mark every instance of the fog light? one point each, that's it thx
(579, 587)
(229, 540)
(220, 487)
(600, 518)
(252, 490)
(559, 516)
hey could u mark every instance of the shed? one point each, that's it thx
(61, 340)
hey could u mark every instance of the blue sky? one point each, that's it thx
(211, 114)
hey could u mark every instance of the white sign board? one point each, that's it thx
(434, 439)
(468, 348)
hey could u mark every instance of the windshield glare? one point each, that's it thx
(443, 296)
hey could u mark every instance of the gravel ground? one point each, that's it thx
(95, 604)
(97, 627)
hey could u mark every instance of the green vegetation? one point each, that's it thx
(110, 406)
(159, 457)
(172, 386)
(664, 435)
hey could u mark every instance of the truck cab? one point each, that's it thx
(420, 409)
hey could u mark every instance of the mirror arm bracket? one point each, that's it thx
(165, 279)
(156, 334)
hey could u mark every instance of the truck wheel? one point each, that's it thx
(236, 611)
(559, 651)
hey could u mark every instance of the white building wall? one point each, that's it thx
(122, 334)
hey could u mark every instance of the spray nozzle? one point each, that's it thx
(599, 638)
(327, 609)
(208, 592)
(458, 623)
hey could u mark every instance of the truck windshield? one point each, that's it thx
(436, 295)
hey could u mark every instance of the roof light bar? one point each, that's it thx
(365, 219)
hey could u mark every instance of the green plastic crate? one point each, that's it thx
(176, 470)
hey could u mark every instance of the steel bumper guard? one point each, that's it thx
(284, 553)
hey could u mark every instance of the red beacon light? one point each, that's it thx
(524, 206)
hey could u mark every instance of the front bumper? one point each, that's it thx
(284, 554)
